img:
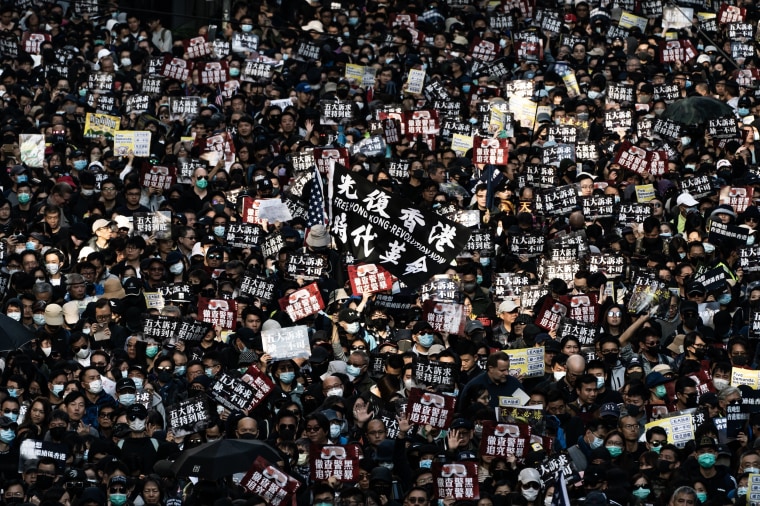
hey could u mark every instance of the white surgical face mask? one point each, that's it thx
(548, 500)
(52, 268)
(95, 387)
(83, 353)
(177, 268)
(558, 375)
(530, 494)
(720, 383)
(15, 315)
(337, 391)
(137, 425)
(352, 328)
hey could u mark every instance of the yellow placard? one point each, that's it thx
(100, 125)
(628, 20)
(527, 362)
(748, 377)
(461, 144)
(680, 429)
(645, 192)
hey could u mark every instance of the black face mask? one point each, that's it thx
(611, 358)
(165, 377)
(248, 436)
(44, 482)
(663, 466)
(632, 409)
(691, 400)
(740, 360)
(57, 433)
(379, 323)
(691, 322)
(634, 376)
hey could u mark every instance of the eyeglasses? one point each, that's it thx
(201, 177)
(641, 486)
(9, 411)
(313, 428)
(358, 348)
(416, 499)
(286, 426)
(109, 189)
(656, 443)
(615, 314)
(630, 426)
(105, 414)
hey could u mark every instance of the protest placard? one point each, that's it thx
(426, 408)
(457, 479)
(434, 373)
(526, 362)
(287, 343)
(188, 416)
(342, 462)
(265, 480)
(127, 142)
(369, 278)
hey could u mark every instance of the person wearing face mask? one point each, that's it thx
(126, 392)
(9, 448)
(81, 348)
(138, 447)
(423, 339)
(529, 485)
(338, 427)
(650, 352)
(593, 438)
(716, 478)
(694, 343)
(284, 376)
(655, 382)
(117, 491)
(95, 397)
(686, 393)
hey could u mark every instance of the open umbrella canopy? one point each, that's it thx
(13, 334)
(697, 110)
(222, 458)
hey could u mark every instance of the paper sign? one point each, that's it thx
(680, 429)
(457, 479)
(342, 462)
(415, 81)
(369, 278)
(287, 343)
(97, 125)
(527, 362)
(747, 377)
(268, 482)
(32, 148)
(645, 192)
(137, 143)
(427, 408)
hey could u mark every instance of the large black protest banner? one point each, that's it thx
(379, 227)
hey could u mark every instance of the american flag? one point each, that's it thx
(315, 215)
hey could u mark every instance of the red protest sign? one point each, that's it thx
(218, 312)
(502, 439)
(444, 316)
(33, 42)
(261, 383)
(176, 68)
(369, 278)
(213, 72)
(582, 307)
(738, 197)
(325, 157)
(341, 462)
(269, 483)
(672, 51)
(731, 14)
(632, 157)
(156, 176)
(489, 150)
(197, 47)
(550, 314)
(457, 479)
(302, 303)
(421, 122)
(426, 408)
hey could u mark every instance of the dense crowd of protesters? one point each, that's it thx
(76, 271)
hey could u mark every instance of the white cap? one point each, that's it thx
(197, 250)
(103, 53)
(685, 199)
(508, 306)
(528, 475)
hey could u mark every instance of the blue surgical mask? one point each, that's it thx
(465, 88)
(706, 460)
(334, 431)
(660, 391)
(7, 435)
(39, 319)
(596, 443)
(741, 491)
(138, 383)
(246, 28)
(685, 141)
(117, 499)
(13, 417)
(24, 198)
(29, 245)
(180, 370)
(426, 340)
(80, 164)
(210, 372)
(642, 493)
(287, 377)
(354, 371)
(151, 351)
(599, 382)
(219, 231)
(83, 93)
(724, 299)
(127, 399)
(234, 71)
(479, 278)
(426, 463)
(743, 111)
(58, 390)
(23, 178)
(13, 392)
(353, 21)
(702, 496)
(485, 262)
(615, 451)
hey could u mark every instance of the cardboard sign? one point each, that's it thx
(33, 450)
(457, 479)
(218, 312)
(287, 343)
(584, 332)
(256, 286)
(342, 462)
(550, 314)
(720, 231)
(747, 377)
(154, 176)
(680, 429)
(100, 125)
(434, 373)
(244, 235)
(197, 47)
(266, 481)
(306, 266)
(188, 416)
(151, 223)
(749, 258)
(426, 408)
(502, 439)
(135, 143)
(739, 198)
(176, 68)
(302, 303)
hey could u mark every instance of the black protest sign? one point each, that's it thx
(483, 50)
(391, 130)
(440, 288)
(397, 302)
(33, 450)
(480, 241)
(554, 155)
(186, 167)
(632, 214)
(370, 147)
(85, 7)
(399, 169)
(257, 71)
(9, 45)
(273, 243)
(667, 128)
(176, 292)
(651, 8)
(529, 295)
(749, 258)
(188, 107)
(713, 279)
(233, 393)
(188, 416)
(192, 330)
(335, 112)
(302, 161)
(137, 104)
(586, 151)
(528, 244)
(159, 327)
(508, 284)
(245, 42)
(451, 126)
(570, 245)
(559, 202)
(721, 231)
(151, 223)
(541, 176)
(736, 419)
(447, 107)
(564, 134)
(723, 128)
(620, 92)
(435, 90)
(612, 265)
(563, 269)
(754, 322)
(667, 92)
(599, 206)
(434, 373)
(306, 266)
(152, 85)
(213, 72)
(499, 68)
(742, 49)
(255, 285)
(100, 82)
(645, 128)
(306, 50)
(584, 332)
(244, 235)
(378, 227)
(618, 119)
(559, 465)
(647, 293)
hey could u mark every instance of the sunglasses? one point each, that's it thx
(531, 484)
(214, 257)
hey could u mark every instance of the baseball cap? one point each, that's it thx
(685, 199)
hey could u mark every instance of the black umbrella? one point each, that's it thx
(697, 110)
(222, 458)
(13, 334)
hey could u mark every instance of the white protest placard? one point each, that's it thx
(461, 144)
(137, 143)
(753, 486)
(415, 81)
(747, 377)
(287, 343)
(628, 21)
(680, 429)
(274, 210)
